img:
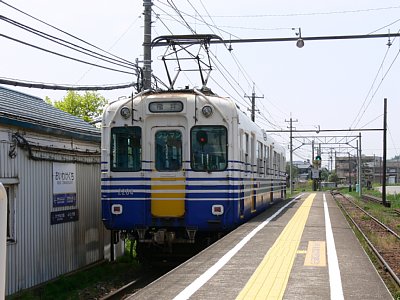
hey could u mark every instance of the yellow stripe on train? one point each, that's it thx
(168, 204)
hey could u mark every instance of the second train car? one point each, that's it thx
(180, 165)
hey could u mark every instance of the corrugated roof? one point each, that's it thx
(31, 112)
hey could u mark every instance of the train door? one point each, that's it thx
(168, 179)
(244, 146)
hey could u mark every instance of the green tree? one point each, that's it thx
(333, 177)
(324, 174)
(88, 106)
(295, 171)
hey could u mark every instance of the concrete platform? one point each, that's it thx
(298, 249)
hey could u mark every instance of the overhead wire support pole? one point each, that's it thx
(147, 45)
(384, 202)
(253, 103)
(291, 154)
(360, 166)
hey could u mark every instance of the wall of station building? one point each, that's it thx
(49, 236)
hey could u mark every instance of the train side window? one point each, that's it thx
(260, 158)
(168, 150)
(209, 146)
(126, 149)
(275, 166)
(252, 153)
(246, 151)
(266, 160)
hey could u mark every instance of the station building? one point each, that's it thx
(50, 167)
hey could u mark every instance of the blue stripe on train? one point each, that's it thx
(137, 214)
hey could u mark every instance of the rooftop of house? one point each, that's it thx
(30, 112)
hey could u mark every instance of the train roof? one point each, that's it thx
(30, 112)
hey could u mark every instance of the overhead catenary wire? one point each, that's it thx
(173, 6)
(195, 18)
(215, 60)
(380, 83)
(310, 13)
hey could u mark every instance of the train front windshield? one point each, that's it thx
(209, 148)
(126, 150)
(168, 150)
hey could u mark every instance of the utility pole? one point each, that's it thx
(384, 153)
(360, 166)
(253, 103)
(349, 173)
(291, 153)
(147, 45)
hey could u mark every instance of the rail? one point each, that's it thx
(370, 244)
(374, 199)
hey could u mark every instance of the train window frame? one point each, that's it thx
(215, 165)
(136, 163)
(176, 164)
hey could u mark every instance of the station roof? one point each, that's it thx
(30, 112)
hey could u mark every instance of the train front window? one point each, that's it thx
(126, 149)
(209, 148)
(168, 150)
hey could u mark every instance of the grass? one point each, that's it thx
(86, 284)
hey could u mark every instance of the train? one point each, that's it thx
(184, 166)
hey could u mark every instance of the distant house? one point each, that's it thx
(50, 167)
(371, 171)
(304, 170)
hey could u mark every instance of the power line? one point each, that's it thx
(73, 46)
(311, 13)
(48, 86)
(65, 56)
(62, 31)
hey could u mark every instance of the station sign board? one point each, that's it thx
(64, 184)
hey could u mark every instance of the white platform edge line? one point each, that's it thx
(335, 280)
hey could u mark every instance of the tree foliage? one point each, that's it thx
(88, 106)
(333, 177)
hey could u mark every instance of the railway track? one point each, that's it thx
(374, 199)
(381, 239)
(147, 277)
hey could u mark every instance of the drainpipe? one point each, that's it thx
(3, 240)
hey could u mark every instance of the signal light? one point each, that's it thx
(202, 137)
(318, 157)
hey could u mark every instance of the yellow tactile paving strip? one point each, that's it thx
(270, 278)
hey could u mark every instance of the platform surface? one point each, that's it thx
(300, 248)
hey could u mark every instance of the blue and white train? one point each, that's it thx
(180, 165)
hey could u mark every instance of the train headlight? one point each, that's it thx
(207, 110)
(125, 112)
(116, 209)
(217, 210)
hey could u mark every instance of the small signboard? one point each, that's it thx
(315, 173)
(64, 184)
(64, 216)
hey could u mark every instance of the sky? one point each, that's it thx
(330, 84)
